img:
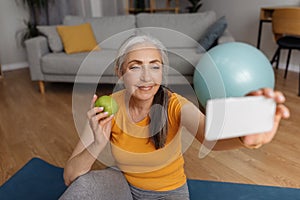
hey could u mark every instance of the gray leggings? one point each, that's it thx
(110, 184)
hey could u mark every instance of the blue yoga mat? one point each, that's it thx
(36, 180)
(39, 180)
(211, 190)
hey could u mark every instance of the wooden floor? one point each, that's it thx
(35, 125)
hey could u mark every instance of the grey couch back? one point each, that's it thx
(173, 30)
(180, 27)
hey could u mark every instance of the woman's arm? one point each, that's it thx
(194, 121)
(93, 140)
(82, 158)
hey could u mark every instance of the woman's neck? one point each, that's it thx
(138, 109)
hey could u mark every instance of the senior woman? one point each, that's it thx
(145, 132)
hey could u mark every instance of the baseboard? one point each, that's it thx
(292, 67)
(14, 66)
(294, 61)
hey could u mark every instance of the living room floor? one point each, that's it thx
(35, 125)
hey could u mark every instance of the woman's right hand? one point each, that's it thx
(100, 123)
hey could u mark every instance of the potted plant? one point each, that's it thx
(195, 6)
(36, 8)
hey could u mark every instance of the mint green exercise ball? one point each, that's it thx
(231, 70)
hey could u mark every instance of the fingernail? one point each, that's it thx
(105, 113)
(286, 114)
(100, 108)
(271, 93)
(281, 98)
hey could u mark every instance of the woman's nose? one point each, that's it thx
(146, 75)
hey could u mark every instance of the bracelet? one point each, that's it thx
(255, 146)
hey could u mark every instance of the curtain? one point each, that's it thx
(58, 9)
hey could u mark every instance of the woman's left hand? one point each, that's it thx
(257, 140)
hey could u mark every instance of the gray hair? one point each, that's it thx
(134, 40)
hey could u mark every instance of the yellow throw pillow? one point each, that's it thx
(77, 38)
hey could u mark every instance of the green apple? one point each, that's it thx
(108, 103)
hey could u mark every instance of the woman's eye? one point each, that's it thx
(155, 67)
(135, 67)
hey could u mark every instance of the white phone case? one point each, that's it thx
(235, 117)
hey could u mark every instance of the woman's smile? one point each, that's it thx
(145, 88)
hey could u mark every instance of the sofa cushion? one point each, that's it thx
(106, 27)
(93, 63)
(193, 25)
(212, 34)
(54, 41)
(116, 40)
(73, 20)
(77, 38)
(183, 61)
(170, 38)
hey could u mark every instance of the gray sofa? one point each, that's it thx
(178, 32)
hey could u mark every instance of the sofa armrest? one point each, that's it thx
(226, 37)
(36, 48)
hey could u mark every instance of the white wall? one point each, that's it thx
(243, 22)
(11, 20)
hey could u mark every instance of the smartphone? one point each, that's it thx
(238, 116)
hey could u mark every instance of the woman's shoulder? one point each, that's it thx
(175, 98)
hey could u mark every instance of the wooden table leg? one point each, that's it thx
(259, 33)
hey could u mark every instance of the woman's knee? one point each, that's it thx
(109, 178)
(107, 184)
(82, 188)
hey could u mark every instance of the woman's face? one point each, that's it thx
(142, 72)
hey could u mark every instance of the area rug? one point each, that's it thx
(39, 180)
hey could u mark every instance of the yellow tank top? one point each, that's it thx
(144, 166)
